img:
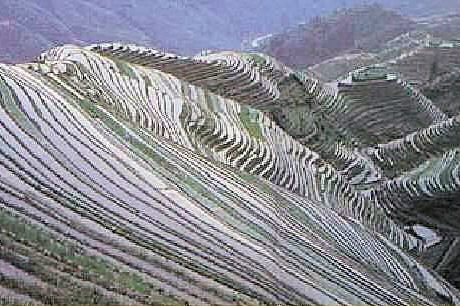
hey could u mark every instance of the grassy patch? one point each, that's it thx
(193, 183)
(259, 60)
(108, 120)
(90, 108)
(248, 119)
(10, 101)
(133, 282)
(125, 69)
(90, 264)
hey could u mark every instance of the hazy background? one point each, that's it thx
(28, 27)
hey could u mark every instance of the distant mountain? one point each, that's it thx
(422, 7)
(30, 26)
(355, 30)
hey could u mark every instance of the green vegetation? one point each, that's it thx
(91, 264)
(193, 183)
(34, 235)
(202, 185)
(147, 81)
(125, 69)
(249, 178)
(248, 119)
(258, 60)
(96, 113)
(109, 120)
(90, 108)
(133, 281)
(87, 267)
(91, 267)
(10, 100)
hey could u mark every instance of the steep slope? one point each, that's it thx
(386, 119)
(414, 176)
(137, 185)
(444, 91)
(330, 46)
(253, 143)
(435, 70)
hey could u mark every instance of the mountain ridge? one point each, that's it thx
(192, 26)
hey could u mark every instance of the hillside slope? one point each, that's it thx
(359, 29)
(347, 39)
(138, 176)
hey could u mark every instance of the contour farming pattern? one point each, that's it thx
(132, 176)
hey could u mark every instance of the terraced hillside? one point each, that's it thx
(434, 69)
(364, 28)
(132, 176)
(399, 47)
(414, 176)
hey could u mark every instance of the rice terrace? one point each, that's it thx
(130, 174)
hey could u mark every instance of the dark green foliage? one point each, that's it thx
(125, 69)
(250, 124)
(258, 60)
